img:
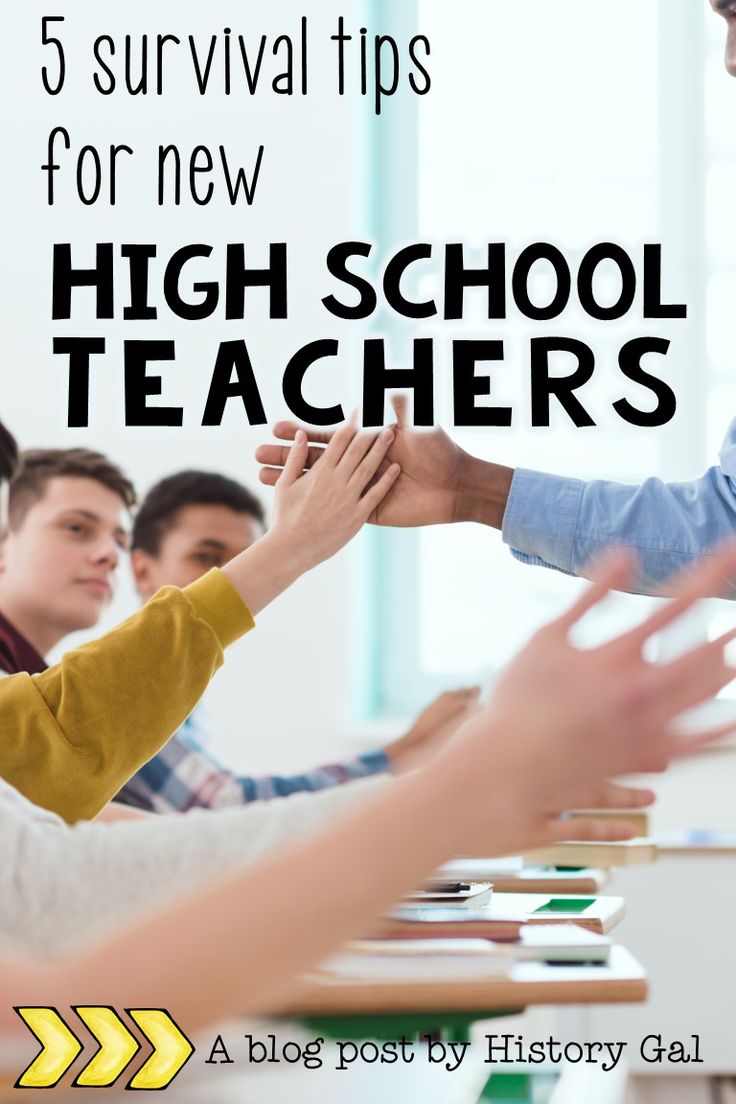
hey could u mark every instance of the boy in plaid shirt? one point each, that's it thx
(188, 523)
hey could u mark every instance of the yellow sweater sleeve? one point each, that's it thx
(73, 735)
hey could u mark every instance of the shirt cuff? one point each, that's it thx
(218, 603)
(541, 518)
(376, 762)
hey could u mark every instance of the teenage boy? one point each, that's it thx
(68, 524)
(71, 736)
(189, 523)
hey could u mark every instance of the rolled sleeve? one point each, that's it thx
(541, 519)
(566, 524)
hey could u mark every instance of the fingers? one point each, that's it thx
(374, 457)
(340, 441)
(612, 795)
(270, 476)
(274, 456)
(399, 403)
(695, 741)
(361, 451)
(709, 578)
(286, 431)
(294, 466)
(460, 699)
(695, 676)
(613, 571)
(375, 495)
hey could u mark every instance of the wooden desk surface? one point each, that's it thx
(622, 980)
(546, 879)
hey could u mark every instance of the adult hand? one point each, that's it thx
(439, 481)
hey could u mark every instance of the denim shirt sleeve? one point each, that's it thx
(565, 523)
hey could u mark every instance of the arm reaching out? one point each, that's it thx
(549, 520)
(506, 776)
(439, 482)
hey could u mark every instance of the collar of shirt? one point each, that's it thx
(16, 653)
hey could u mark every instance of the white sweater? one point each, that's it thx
(60, 884)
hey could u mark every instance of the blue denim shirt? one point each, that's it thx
(565, 523)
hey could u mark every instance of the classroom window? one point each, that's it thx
(576, 145)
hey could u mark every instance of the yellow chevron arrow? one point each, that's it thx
(60, 1048)
(117, 1047)
(171, 1048)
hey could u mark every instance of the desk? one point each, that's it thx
(528, 983)
(341, 1004)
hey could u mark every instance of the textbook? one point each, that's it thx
(567, 943)
(635, 852)
(433, 959)
(410, 922)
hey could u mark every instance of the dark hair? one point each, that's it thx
(8, 453)
(38, 466)
(160, 507)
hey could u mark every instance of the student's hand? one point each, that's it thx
(563, 720)
(554, 826)
(439, 481)
(316, 512)
(434, 726)
(320, 510)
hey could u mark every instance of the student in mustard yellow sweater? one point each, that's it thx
(71, 736)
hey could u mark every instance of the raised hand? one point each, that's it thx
(563, 720)
(320, 510)
(435, 725)
(316, 512)
(436, 481)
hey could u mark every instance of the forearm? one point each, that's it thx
(72, 736)
(266, 569)
(114, 813)
(142, 967)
